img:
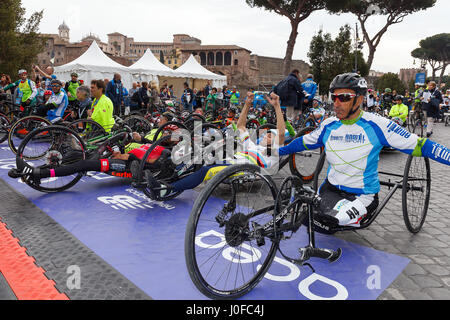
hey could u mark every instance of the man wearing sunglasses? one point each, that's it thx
(353, 141)
(56, 106)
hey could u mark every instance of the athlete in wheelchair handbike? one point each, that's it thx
(243, 215)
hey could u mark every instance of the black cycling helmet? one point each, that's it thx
(169, 116)
(351, 81)
(398, 97)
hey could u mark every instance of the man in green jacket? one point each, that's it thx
(102, 107)
(399, 110)
(71, 89)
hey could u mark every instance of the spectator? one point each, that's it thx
(71, 89)
(187, 97)
(310, 89)
(154, 97)
(114, 91)
(134, 97)
(84, 102)
(102, 107)
(226, 96)
(143, 96)
(47, 76)
(370, 100)
(126, 101)
(211, 100)
(432, 101)
(207, 89)
(4, 81)
(164, 95)
(234, 96)
(290, 91)
(171, 93)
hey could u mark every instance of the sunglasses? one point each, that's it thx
(343, 97)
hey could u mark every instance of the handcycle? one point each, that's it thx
(242, 215)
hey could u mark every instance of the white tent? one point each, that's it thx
(192, 69)
(94, 64)
(149, 68)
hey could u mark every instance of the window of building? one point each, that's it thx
(44, 61)
(227, 58)
(236, 62)
(219, 59)
(202, 58)
(211, 58)
(169, 61)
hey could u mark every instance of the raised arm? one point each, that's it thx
(274, 100)
(242, 122)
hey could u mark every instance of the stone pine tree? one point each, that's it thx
(296, 11)
(392, 81)
(329, 57)
(20, 41)
(436, 51)
(393, 10)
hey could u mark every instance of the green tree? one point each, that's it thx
(296, 11)
(436, 51)
(394, 11)
(392, 81)
(20, 41)
(329, 57)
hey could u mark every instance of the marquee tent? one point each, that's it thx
(94, 64)
(191, 69)
(149, 68)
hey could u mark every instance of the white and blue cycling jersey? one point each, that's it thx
(353, 149)
(60, 101)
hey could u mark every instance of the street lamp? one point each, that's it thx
(359, 45)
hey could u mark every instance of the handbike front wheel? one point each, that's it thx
(226, 254)
(4, 127)
(23, 127)
(63, 147)
(303, 164)
(416, 192)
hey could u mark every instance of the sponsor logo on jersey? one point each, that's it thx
(122, 174)
(393, 127)
(441, 152)
(336, 138)
(355, 138)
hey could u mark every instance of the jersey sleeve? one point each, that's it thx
(311, 141)
(33, 88)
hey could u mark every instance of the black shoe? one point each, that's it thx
(27, 173)
(429, 134)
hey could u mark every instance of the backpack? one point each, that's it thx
(282, 89)
(135, 97)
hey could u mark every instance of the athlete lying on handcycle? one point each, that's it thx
(353, 141)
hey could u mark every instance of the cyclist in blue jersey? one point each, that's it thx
(56, 106)
(310, 88)
(353, 141)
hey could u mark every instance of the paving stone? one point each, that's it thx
(414, 269)
(438, 293)
(416, 295)
(437, 270)
(427, 281)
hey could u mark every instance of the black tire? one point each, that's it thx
(160, 174)
(62, 142)
(415, 202)
(22, 128)
(5, 124)
(88, 130)
(229, 178)
(303, 164)
(138, 124)
(318, 174)
(447, 121)
(167, 127)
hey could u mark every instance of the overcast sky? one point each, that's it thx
(233, 22)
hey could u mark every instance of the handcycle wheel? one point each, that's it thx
(88, 130)
(411, 123)
(138, 124)
(169, 127)
(163, 172)
(416, 192)
(4, 127)
(61, 148)
(319, 175)
(303, 164)
(226, 256)
(23, 127)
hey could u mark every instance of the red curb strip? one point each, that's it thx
(27, 281)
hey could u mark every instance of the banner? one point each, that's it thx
(420, 78)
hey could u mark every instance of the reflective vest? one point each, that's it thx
(25, 90)
(72, 89)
